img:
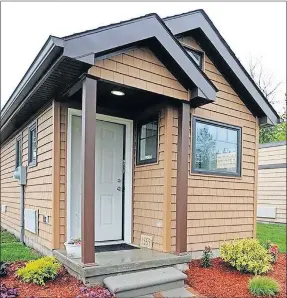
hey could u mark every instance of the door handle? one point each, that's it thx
(119, 188)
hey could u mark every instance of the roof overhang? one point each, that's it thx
(150, 31)
(61, 61)
(198, 24)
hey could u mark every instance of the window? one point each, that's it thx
(147, 141)
(216, 148)
(196, 56)
(32, 149)
(18, 152)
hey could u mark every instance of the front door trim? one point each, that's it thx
(128, 169)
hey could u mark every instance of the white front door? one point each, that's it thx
(109, 180)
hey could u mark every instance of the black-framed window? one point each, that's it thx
(18, 149)
(32, 145)
(216, 148)
(147, 141)
(197, 56)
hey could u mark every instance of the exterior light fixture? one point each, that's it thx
(117, 93)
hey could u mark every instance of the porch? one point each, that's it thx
(119, 262)
(95, 106)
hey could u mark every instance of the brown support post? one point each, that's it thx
(182, 177)
(89, 101)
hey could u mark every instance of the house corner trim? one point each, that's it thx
(167, 192)
(56, 176)
(182, 177)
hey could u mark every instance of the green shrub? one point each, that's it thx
(246, 255)
(263, 286)
(39, 271)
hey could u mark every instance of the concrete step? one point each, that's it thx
(173, 293)
(145, 282)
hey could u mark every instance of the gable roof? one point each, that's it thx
(82, 49)
(61, 61)
(150, 30)
(198, 24)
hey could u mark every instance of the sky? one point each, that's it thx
(253, 30)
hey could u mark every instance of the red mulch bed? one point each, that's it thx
(221, 280)
(64, 285)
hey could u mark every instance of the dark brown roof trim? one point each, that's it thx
(149, 30)
(48, 54)
(199, 24)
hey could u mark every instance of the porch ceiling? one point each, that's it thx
(132, 105)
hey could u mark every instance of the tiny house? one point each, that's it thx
(144, 131)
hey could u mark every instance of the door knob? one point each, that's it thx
(119, 188)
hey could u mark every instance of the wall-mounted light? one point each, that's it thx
(117, 93)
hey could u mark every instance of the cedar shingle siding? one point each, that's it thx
(221, 208)
(38, 191)
(141, 69)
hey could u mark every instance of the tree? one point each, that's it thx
(269, 88)
(205, 148)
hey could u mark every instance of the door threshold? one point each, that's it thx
(102, 243)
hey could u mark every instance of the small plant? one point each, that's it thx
(39, 271)
(246, 255)
(206, 257)
(76, 241)
(98, 292)
(263, 286)
(8, 292)
(273, 250)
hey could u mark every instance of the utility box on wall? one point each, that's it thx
(21, 175)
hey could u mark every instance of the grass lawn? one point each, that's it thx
(274, 232)
(12, 250)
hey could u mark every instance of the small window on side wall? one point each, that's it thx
(147, 141)
(32, 145)
(18, 154)
(216, 148)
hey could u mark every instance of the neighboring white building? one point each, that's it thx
(271, 204)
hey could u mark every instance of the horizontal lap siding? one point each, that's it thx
(10, 189)
(148, 189)
(141, 69)
(38, 191)
(272, 182)
(221, 208)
